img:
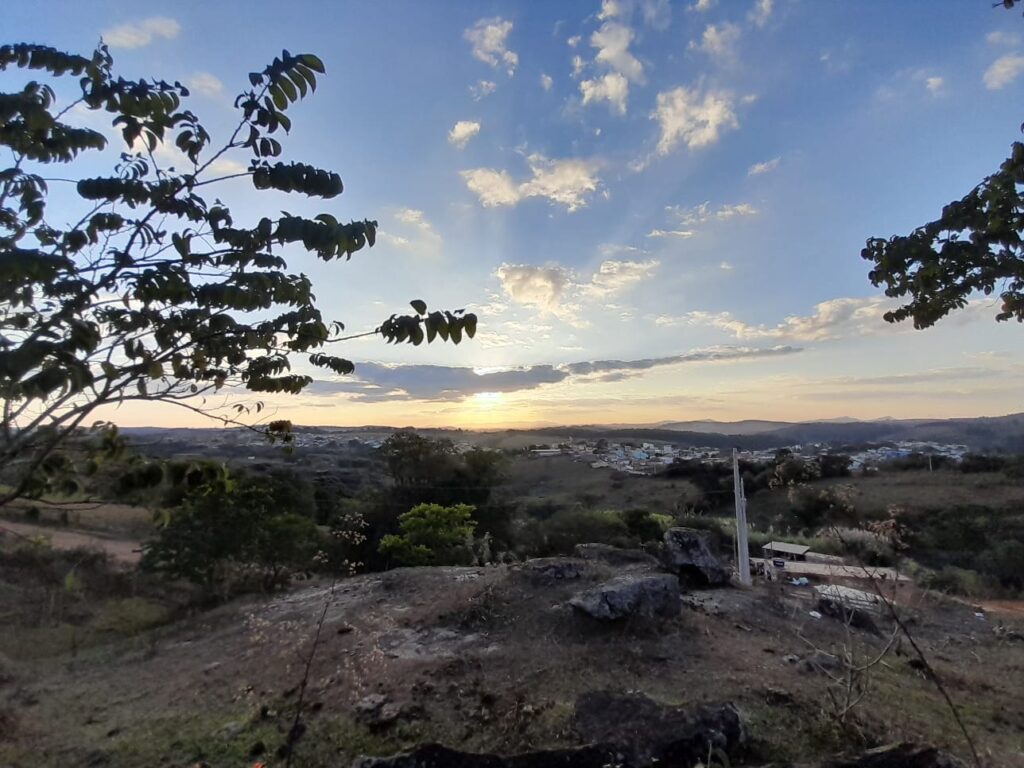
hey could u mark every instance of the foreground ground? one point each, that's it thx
(492, 659)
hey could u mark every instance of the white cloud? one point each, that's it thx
(206, 84)
(725, 265)
(540, 287)
(934, 85)
(612, 42)
(225, 166)
(683, 233)
(567, 182)
(1003, 71)
(415, 232)
(555, 290)
(482, 89)
(493, 187)
(613, 88)
(695, 118)
(1002, 38)
(573, 41)
(489, 40)
(832, 319)
(761, 12)
(577, 66)
(609, 9)
(719, 42)
(615, 276)
(141, 33)
(698, 215)
(546, 81)
(766, 167)
(702, 5)
(462, 132)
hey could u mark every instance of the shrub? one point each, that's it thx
(432, 534)
(960, 581)
(642, 525)
(565, 529)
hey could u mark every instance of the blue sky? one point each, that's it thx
(656, 208)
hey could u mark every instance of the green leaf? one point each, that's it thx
(419, 305)
(313, 62)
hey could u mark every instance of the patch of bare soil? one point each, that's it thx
(493, 659)
(125, 551)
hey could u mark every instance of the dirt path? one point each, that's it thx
(122, 550)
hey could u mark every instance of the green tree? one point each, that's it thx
(155, 291)
(432, 535)
(974, 246)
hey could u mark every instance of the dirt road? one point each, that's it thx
(122, 550)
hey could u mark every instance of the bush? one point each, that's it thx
(432, 534)
(560, 533)
(642, 525)
(222, 529)
(959, 581)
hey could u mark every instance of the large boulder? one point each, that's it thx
(615, 556)
(649, 733)
(688, 553)
(647, 595)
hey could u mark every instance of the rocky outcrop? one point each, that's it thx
(616, 557)
(688, 553)
(897, 756)
(630, 595)
(623, 730)
(553, 568)
(649, 733)
(437, 756)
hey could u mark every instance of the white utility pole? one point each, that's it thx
(742, 550)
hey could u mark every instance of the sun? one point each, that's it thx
(487, 399)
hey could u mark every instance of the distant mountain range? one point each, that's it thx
(1001, 433)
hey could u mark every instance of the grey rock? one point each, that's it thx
(615, 556)
(649, 733)
(375, 711)
(231, 730)
(688, 553)
(630, 595)
(897, 756)
(553, 568)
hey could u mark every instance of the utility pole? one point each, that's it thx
(742, 550)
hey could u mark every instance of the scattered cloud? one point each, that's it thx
(540, 287)
(766, 167)
(609, 10)
(1003, 71)
(700, 214)
(725, 265)
(934, 85)
(546, 81)
(1000, 38)
(206, 84)
(683, 233)
(832, 319)
(616, 276)
(613, 88)
(489, 41)
(414, 232)
(567, 182)
(462, 132)
(377, 382)
(693, 117)
(577, 66)
(555, 290)
(225, 166)
(574, 41)
(719, 42)
(142, 33)
(482, 89)
(761, 12)
(702, 6)
(612, 42)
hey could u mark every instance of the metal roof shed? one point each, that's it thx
(784, 548)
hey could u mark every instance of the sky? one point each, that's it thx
(655, 208)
